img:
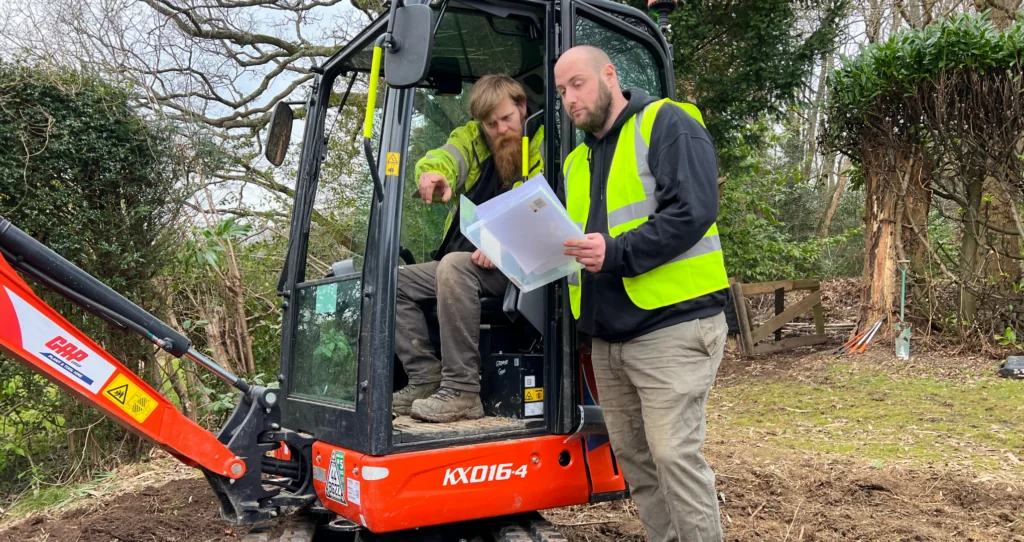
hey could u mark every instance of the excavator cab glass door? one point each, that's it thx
(472, 41)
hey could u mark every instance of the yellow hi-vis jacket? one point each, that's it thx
(461, 161)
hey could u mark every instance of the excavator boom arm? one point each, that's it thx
(34, 334)
(233, 461)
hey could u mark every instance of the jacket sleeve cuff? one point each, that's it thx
(612, 256)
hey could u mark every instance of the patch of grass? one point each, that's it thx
(40, 499)
(879, 416)
(57, 497)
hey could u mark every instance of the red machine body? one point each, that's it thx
(436, 487)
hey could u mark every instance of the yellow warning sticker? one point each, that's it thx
(137, 403)
(392, 165)
(534, 394)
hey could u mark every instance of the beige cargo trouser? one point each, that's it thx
(652, 391)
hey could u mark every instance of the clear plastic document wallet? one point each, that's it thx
(522, 231)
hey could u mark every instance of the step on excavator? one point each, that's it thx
(323, 446)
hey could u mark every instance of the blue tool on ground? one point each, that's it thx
(902, 328)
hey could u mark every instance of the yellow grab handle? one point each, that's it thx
(371, 99)
(526, 157)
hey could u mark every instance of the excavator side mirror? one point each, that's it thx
(279, 133)
(407, 56)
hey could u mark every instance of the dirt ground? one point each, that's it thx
(765, 494)
(825, 499)
(810, 498)
(177, 510)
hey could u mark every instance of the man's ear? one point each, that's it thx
(609, 75)
(522, 109)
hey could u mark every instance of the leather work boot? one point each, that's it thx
(401, 401)
(448, 405)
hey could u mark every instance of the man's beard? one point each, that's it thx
(597, 116)
(508, 156)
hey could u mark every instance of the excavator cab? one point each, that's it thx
(338, 363)
(325, 440)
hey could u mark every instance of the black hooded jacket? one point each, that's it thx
(682, 159)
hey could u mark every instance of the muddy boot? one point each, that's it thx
(448, 405)
(401, 401)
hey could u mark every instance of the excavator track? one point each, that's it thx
(525, 528)
(291, 533)
(531, 528)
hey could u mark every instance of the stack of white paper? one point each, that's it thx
(522, 231)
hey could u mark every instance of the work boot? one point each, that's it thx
(401, 401)
(448, 405)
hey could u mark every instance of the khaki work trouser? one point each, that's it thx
(457, 284)
(652, 391)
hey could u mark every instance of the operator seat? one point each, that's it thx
(497, 313)
(492, 310)
(513, 322)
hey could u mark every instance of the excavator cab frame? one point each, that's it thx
(535, 30)
(466, 462)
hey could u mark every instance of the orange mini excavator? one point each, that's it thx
(325, 441)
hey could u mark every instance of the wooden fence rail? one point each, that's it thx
(750, 335)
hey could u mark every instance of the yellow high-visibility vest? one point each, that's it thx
(698, 271)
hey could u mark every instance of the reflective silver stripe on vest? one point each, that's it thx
(646, 207)
(631, 212)
(707, 245)
(574, 278)
(641, 149)
(565, 177)
(565, 184)
(457, 155)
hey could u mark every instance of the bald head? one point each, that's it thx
(589, 87)
(586, 55)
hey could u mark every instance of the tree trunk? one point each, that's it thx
(916, 14)
(1004, 12)
(970, 249)
(998, 212)
(837, 196)
(880, 249)
(917, 199)
(189, 368)
(830, 169)
(816, 109)
(156, 376)
(873, 20)
(913, 227)
(215, 337)
(179, 386)
(241, 324)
